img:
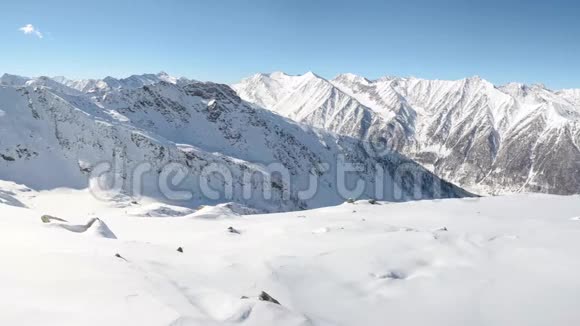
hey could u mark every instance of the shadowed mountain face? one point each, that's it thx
(59, 133)
(484, 138)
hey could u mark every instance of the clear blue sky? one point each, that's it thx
(219, 40)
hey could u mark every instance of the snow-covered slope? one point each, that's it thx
(52, 135)
(489, 261)
(488, 139)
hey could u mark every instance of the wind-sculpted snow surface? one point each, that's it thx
(94, 227)
(486, 261)
(485, 138)
(190, 143)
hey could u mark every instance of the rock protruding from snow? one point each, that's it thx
(50, 219)
(266, 297)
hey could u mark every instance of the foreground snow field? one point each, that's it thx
(491, 261)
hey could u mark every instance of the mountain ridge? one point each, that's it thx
(47, 125)
(486, 138)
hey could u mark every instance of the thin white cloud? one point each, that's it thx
(30, 29)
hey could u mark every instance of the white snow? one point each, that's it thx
(94, 227)
(158, 210)
(490, 261)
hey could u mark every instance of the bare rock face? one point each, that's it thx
(485, 138)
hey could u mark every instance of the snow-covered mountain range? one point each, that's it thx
(486, 138)
(56, 132)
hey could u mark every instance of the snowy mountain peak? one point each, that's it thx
(111, 83)
(474, 78)
(514, 85)
(310, 74)
(167, 78)
(539, 86)
(275, 74)
(351, 78)
(477, 81)
(13, 80)
(279, 75)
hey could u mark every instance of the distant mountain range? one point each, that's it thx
(489, 139)
(55, 132)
